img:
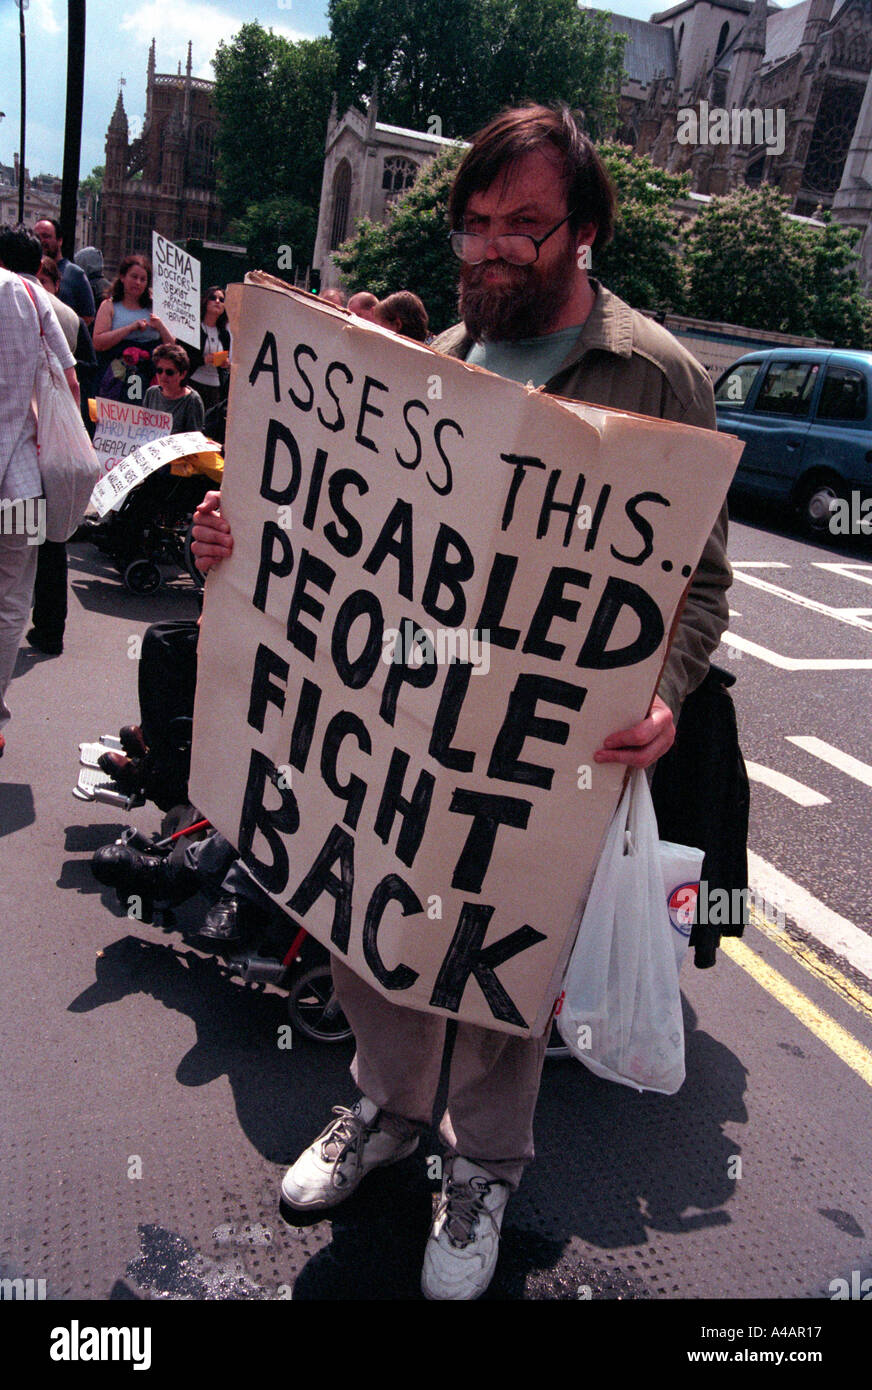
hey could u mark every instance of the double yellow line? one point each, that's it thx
(836, 1038)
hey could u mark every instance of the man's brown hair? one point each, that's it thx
(590, 194)
(408, 309)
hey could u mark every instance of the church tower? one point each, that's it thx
(806, 100)
(852, 204)
(117, 154)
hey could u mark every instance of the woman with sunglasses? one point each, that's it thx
(209, 363)
(171, 393)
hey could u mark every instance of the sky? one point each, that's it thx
(116, 46)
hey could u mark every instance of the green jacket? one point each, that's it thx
(625, 361)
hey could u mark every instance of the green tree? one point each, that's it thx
(462, 60)
(411, 251)
(839, 310)
(273, 97)
(94, 182)
(751, 264)
(278, 234)
(643, 262)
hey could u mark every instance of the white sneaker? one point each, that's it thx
(350, 1146)
(464, 1242)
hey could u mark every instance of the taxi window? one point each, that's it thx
(787, 388)
(735, 386)
(843, 395)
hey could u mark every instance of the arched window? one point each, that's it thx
(341, 201)
(202, 173)
(722, 38)
(399, 174)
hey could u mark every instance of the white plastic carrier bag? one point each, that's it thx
(620, 1011)
(68, 466)
(681, 866)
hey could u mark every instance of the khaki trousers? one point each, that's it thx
(493, 1080)
(17, 572)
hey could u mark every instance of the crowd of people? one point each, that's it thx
(120, 350)
(529, 195)
(402, 312)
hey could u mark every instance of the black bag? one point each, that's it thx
(702, 797)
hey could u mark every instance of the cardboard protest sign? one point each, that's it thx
(121, 428)
(445, 591)
(111, 491)
(175, 289)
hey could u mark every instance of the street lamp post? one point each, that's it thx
(73, 123)
(22, 6)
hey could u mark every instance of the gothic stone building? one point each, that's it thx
(165, 179)
(366, 165)
(813, 62)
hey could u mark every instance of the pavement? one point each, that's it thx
(149, 1109)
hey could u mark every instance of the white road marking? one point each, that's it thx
(811, 915)
(862, 573)
(760, 564)
(837, 614)
(734, 614)
(796, 663)
(780, 782)
(861, 772)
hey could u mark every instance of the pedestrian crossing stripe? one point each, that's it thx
(788, 786)
(812, 604)
(828, 753)
(831, 1033)
(794, 663)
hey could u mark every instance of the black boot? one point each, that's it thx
(231, 921)
(147, 875)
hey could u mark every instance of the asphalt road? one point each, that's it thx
(148, 1112)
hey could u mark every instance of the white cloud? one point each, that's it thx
(44, 14)
(174, 24)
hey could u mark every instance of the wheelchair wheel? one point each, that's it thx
(142, 577)
(314, 1008)
(197, 575)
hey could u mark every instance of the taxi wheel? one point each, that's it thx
(815, 505)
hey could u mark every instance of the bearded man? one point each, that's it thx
(530, 204)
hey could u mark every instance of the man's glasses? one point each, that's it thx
(515, 247)
(165, 371)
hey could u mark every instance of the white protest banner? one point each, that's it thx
(121, 428)
(175, 289)
(111, 491)
(445, 591)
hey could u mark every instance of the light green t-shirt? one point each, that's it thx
(532, 360)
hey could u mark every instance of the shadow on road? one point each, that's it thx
(98, 587)
(613, 1167)
(237, 1036)
(774, 520)
(627, 1164)
(16, 807)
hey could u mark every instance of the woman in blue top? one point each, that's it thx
(124, 320)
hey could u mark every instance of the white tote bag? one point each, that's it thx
(68, 466)
(621, 1008)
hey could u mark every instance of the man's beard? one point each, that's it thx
(522, 303)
